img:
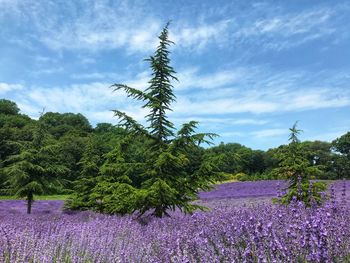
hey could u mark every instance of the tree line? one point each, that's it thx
(71, 139)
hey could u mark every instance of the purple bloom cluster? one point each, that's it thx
(245, 190)
(233, 231)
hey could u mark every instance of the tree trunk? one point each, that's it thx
(158, 212)
(29, 203)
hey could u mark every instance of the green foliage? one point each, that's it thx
(342, 144)
(34, 169)
(320, 154)
(59, 124)
(37, 197)
(342, 161)
(233, 158)
(295, 166)
(68, 136)
(310, 193)
(89, 168)
(162, 176)
(115, 198)
(8, 107)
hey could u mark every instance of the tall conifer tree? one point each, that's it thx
(163, 178)
(35, 170)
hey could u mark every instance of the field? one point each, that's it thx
(242, 226)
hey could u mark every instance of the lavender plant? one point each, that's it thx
(235, 230)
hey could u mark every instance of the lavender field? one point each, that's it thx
(242, 226)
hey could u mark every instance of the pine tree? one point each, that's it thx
(89, 169)
(163, 178)
(295, 166)
(35, 169)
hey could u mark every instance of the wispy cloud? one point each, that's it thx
(198, 37)
(5, 87)
(95, 100)
(282, 31)
(261, 90)
(48, 71)
(95, 75)
(269, 133)
(204, 104)
(191, 78)
(102, 25)
(258, 102)
(98, 25)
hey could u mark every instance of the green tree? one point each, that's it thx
(162, 178)
(342, 160)
(15, 129)
(342, 144)
(8, 107)
(320, 154)
(71, 150)
(34, 169)
(89, 168)
(59, 124)
(294, 165)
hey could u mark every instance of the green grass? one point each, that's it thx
(227, 181)
(39, 197)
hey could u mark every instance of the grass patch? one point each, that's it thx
(39, 197)
(227, 181)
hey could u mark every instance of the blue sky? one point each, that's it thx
(247, 69)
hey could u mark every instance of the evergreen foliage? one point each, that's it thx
(162, 178)
(89, 168)
(295, 166)
(35, 169)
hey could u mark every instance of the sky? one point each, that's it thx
(247, 70)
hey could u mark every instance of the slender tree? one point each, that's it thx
(163, 178)
(295, 166)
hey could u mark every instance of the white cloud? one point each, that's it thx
(329, 136)
(232, 134)
(95, 75)
(215, 102)
(87, 60)
(282, 31)
(199, 36)
(48, 71)
(223, 120)
(223, 106)
(190, 78)
(259, 90)
(95, 100)
(102, 25)
(269, 133)
(125, 32)
(324, 98)
(5, 87)
(249, 122)
(259, 101)
(88, 25)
